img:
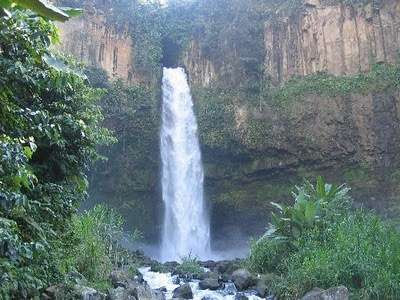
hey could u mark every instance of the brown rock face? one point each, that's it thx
(96, 43)
(338, 39)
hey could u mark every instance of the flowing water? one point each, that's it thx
(186, 228)
(167, 281)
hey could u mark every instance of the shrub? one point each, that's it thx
(336, 246)
(49, 131)
(266, 254)
(313, 207)
(96, 238)
(190, 266)
(359, 251)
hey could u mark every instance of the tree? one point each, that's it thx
(43, 8)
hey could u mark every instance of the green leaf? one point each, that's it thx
(44, 9)
(72, 12)
(28, 152)
(278, 206)
(320, 187)
(5, 3)
(310, 213)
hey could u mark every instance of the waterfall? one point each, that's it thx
(186, 224)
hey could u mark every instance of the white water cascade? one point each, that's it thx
(186, 225)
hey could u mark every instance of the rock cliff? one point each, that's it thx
(94, 41)
(312, 90)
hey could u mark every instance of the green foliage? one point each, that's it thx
(313, 206)
(131, 113)
(359, 251)
(49, 129)
(381, 77)
(331, 246)
(190, 265)
(43, 8)
(214, 111)
(95, 246)
(97, 78)
(266, 254)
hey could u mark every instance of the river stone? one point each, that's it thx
(335, 293)
(184, 291)
(209, 284)
(242, 279)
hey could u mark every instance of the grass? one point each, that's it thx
(190, 265)
(94, 248)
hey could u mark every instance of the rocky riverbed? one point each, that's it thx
(210, 280)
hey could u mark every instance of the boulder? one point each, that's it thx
(223, 266)
(87, 293)
(335, 293)
(184, 291)
(120, 293)
(142, 291)
(261, 288)
(206, 275)
(209, 284)
(242, 279)
(119, 278)
(54, 292)
(209, 264)
(230, 289)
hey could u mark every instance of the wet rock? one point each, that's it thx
(261, 288)
(209, 298)
(240, 296)
(209, 284)
(184, 292)
(209, 264)
(242, 279)
(142, 291)
(227, 267)
(335, 293)
(229, 289)
(176, 280)
(162, 289)
(54, 292)
(206, 275)
(87, 293)
(119, 278)
(223, 266)
(120, 293)
(226, 277)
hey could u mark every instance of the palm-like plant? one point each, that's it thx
(313, 206)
